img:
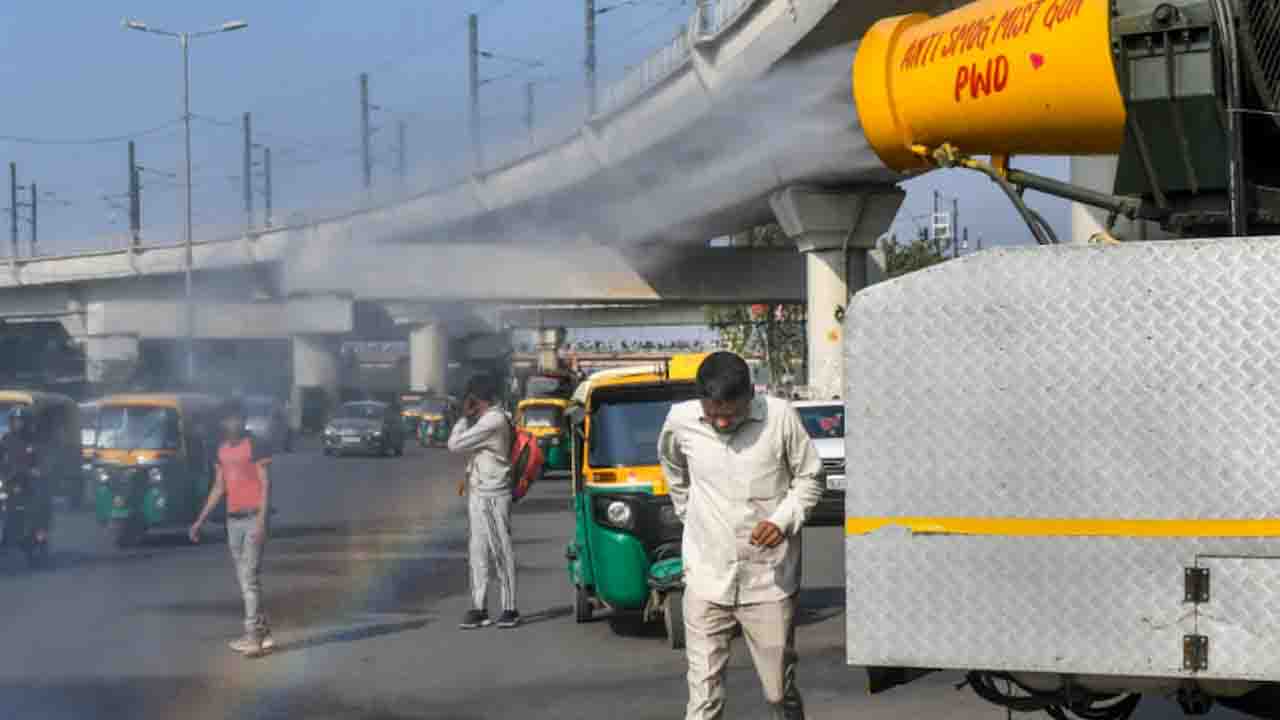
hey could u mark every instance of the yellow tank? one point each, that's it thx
(995, 77)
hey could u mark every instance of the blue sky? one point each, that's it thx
(70, 72)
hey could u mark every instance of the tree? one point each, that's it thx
(774, 330)
(921, 253)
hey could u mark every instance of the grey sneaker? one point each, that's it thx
(268, 642)
(475, 619)
(509, 619)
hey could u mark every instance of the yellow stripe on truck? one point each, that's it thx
(1067, 527)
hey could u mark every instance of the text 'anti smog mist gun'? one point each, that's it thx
(1186, 93)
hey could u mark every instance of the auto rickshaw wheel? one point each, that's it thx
(582, 607)
(37, 554)
(128, 534)
(673, 618)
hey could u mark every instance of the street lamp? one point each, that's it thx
(184, 40)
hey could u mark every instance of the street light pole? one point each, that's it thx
(190, 339)
(184, 39)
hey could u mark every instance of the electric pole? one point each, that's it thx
(528, 110)
(473, 84)
(364, 130)
(248, 171)
(955, 221)
(590, 63)
(402, 162)
(13, 211)
(135, 201)
(266, 172)
(35, 209)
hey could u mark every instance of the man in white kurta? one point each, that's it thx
(743, 477)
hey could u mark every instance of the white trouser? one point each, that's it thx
(490, 549)
(769, 629)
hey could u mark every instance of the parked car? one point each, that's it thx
(824, 421)
(268, 422)
(367, 427)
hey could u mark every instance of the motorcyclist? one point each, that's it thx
(20, 463)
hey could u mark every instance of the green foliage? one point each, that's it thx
(774, 331)
(922, 252)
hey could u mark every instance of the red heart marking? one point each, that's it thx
(1037, 60)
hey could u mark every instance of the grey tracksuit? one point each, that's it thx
(488, 504)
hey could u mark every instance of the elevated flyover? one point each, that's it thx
(743, 118)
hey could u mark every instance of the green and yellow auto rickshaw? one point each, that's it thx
(435, 420)
(57, 431)
(547, 419)
(411, 411)
(153, 461)
(625, 553)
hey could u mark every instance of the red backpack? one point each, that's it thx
(526, 461)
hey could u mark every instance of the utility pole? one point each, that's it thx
(135, 201)
(704, 18)
(13, 211)
(364, 130)
(247, 172)
(955, 222)
(266, 172)
(473, 84)
(590, 63)
(35, 217)
(402, 164)
(528, 110)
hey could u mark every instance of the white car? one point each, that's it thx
(824, 421)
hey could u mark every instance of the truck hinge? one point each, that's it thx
(1196, 585)
(1195, 653)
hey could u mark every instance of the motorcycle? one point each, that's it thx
(20, 510)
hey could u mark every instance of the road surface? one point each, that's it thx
(365, 581)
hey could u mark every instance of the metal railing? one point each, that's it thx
(653, 70)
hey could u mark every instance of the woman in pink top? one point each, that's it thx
(242, 475)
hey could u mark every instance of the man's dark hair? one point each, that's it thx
(483, 387)
(724, 377)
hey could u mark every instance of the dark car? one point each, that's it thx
(366, 427)
(824, 421)
(268, 422)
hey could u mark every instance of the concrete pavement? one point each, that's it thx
(365, 580)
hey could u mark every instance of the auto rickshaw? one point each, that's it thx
(411, 411)
(625, 553)
(88, 447)
(435, 421)
(57, 432)
(547, 420)
(154, 458)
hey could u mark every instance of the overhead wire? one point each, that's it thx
(103, 140)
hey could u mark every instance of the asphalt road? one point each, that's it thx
(365, 580)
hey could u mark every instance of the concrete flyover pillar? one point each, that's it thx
(428, 357)
(110, 360)
(317, 372)
(549, 342)
(317, 324)
(837, 229)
